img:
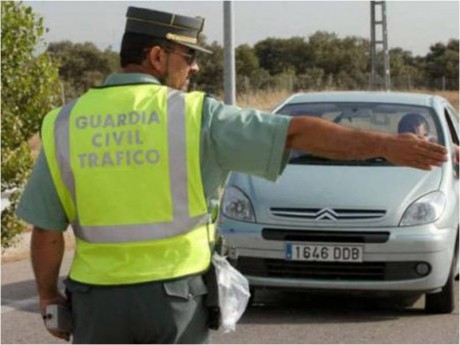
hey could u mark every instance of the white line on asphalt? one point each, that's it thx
(8, 305)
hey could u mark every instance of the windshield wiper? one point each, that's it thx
(307, 158)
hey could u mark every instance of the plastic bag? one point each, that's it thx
(233, 292)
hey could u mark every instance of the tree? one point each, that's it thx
(442, 62)
(82, 65)
(29, 84)
(312, 79)
(407, 72)
(249, 75)
(246, 61)
(346, 60)
(277, 55)
(210, 78)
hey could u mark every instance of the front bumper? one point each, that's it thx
(395, 259)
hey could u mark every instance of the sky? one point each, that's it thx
(412, 25)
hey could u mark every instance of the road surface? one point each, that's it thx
(275, 318)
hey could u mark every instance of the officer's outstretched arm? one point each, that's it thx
(330, 140)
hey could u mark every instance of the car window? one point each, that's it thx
(381, 117)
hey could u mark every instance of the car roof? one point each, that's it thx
(365, 97)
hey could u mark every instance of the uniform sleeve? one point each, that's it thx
(246, 140)
(39, 204)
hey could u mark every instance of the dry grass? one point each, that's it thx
(266, 100)
(263, 100)
(451, 96)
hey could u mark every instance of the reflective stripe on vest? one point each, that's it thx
(114, 244)
(181, 223)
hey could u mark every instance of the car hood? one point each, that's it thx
(324, 196)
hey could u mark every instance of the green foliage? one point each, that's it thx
(345, 60)
(211, 76)
(246, 62)
(312, 78)
(28, 82)
(325, 61)
(442, 61)
(11, 227)
(277, 55)
(321, 61)
(82, 66)
(406, 70)
(249, 75)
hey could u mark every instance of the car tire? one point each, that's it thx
(443, 302)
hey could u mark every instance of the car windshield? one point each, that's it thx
(387, 118)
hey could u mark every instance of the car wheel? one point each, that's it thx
(443, 302)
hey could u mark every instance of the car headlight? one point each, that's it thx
(427, 209)
(236, 205)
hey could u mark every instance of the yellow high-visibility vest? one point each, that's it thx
(125, 161)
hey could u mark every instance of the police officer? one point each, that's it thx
(134, 166)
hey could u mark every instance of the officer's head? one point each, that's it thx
(162, 44)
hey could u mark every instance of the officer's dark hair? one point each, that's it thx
(134, 47)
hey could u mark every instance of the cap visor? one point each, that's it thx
(196, 47)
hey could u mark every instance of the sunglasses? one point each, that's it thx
(190, 57)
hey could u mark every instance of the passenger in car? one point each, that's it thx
(415, 123)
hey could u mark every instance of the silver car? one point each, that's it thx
(353, 226)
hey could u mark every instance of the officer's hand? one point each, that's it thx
(56, 299)
(408, 149)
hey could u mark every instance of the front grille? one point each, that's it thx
(326, 213)
(304, 235)
(365, 271)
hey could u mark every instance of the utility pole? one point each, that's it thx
(229, 54)
(383, 41)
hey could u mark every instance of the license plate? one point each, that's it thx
(324, 253)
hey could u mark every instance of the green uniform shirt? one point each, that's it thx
(232, 139)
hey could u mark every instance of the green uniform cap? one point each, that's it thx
(176, 28)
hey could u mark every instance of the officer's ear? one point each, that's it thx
(157, 58)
